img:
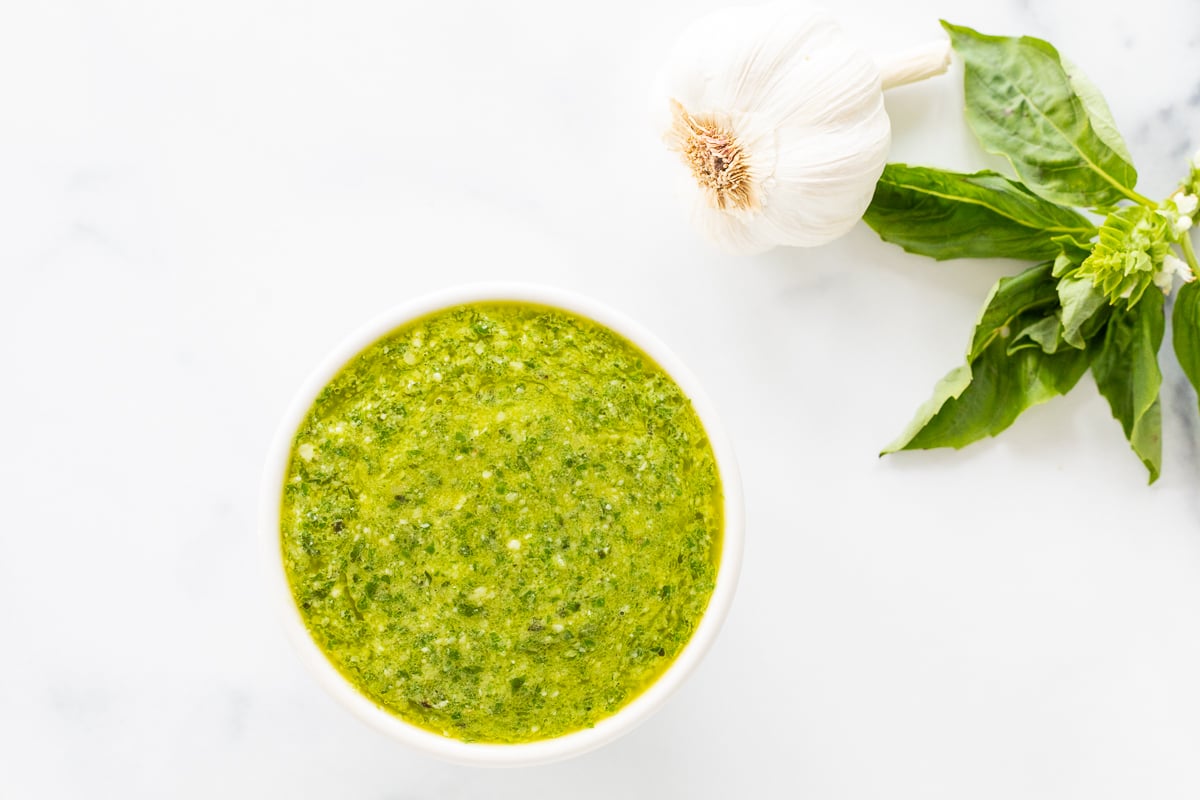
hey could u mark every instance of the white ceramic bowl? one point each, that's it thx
(546, 750)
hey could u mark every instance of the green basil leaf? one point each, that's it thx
(1074, 249)
(1084, 310)
(1023, 104)
(1046, 333)
(1126, 370)
(932, 212)
(986, 395)
(1185, 322)
(1097, 109)
(1070, 258)
(1010, 299)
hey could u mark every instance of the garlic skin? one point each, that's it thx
(779, 122)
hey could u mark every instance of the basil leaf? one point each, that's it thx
(1084, 310)
(986, 395)
(1097, 109)
(1074, 249)
(1023, 104)
(1046, 333)
(932, 212)
(1186, 336)
(1126, 371)
(1009, 299)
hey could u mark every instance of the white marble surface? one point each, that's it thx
(198, 200)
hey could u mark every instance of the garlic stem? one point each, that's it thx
(915, 65)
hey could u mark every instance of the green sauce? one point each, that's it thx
(501, 522)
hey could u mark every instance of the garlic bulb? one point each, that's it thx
(780, 123)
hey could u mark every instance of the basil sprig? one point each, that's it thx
(1094, 300)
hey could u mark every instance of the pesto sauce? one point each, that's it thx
(501, 522)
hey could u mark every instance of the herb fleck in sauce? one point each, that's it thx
(501, 522)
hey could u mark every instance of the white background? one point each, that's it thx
(197, 201)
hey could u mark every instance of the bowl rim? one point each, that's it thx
(489, 754)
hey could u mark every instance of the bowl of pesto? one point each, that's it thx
(502, 523)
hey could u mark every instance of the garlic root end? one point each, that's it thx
(915, 65)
